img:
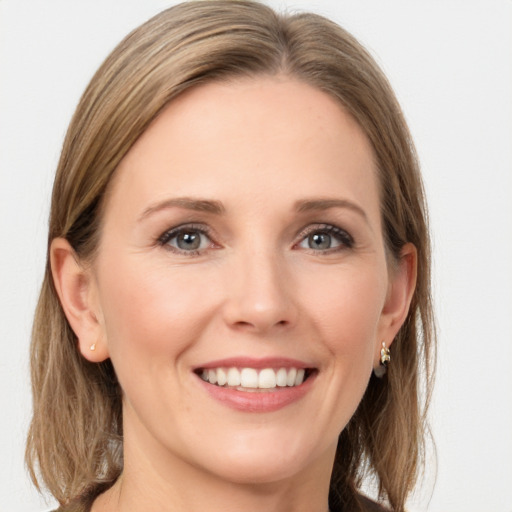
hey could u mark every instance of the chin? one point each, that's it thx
(260, 471)
(265, 461)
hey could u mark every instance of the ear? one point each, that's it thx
(78, 296)
(402, 283)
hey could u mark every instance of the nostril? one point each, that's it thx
(242, 323)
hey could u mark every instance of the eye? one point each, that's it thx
(186, 239)
(325, 238)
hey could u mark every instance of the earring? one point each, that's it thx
(385, 358)
(93, 347)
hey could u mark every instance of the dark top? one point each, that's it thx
(369, 505)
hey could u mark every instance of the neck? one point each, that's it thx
(127, 496)
(155, 481)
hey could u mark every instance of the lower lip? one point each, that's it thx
(258, 401)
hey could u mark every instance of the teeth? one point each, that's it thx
(290, 378)
(250, 378)
(222, 377)
(267, 379)
(212, 376)
(281, 377)
(233, 377)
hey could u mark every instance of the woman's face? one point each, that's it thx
(242, 245)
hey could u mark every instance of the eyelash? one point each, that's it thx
(166, 237)
(345, 240)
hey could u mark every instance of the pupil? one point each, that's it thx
(189, 241)
(320, 241)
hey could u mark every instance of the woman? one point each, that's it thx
(237, 240)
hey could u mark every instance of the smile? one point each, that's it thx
(257, 385)
(252, 379)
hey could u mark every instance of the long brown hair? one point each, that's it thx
(75, 438)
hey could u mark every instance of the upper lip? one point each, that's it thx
(256, 363)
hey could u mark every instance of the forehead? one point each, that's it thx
(269, 136)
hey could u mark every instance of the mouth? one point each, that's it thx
(257, 385)
(251, 379)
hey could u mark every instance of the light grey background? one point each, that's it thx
(450, 63)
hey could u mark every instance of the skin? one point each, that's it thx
(257, 287)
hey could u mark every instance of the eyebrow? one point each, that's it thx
(188, 203)
(320, 204)
(217, 208)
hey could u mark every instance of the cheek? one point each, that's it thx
(152, 311)
(348, 311)
(348, 317)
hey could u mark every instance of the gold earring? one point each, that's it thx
(385, 358)
(93, 347)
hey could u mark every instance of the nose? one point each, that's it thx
(260, 293)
